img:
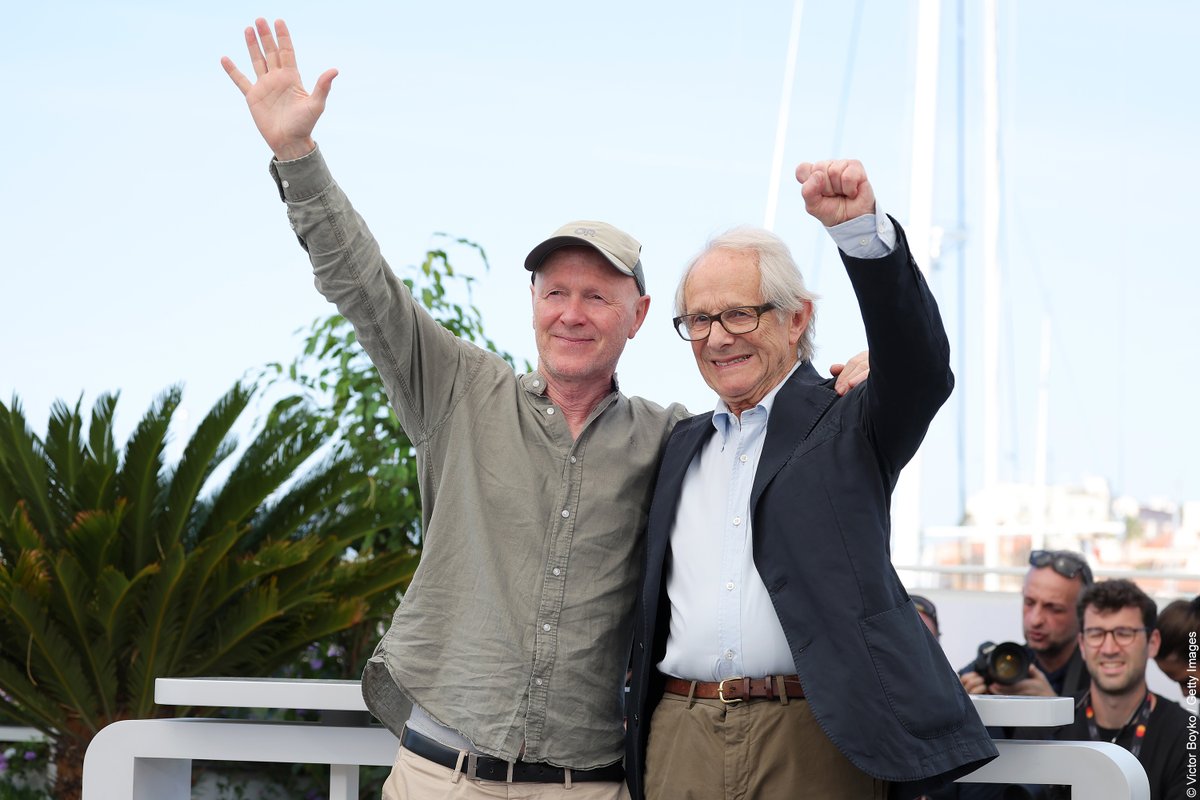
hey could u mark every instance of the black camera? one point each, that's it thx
(1004, 663)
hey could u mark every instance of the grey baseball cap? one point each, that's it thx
(621, 249)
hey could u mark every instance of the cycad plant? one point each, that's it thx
(117, 568)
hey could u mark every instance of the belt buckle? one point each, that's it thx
(721, 692)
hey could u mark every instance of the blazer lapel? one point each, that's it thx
(798, 407)
(689, 436)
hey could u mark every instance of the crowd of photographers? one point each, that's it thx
(1091, 641)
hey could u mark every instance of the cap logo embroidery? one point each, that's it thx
(585, 231)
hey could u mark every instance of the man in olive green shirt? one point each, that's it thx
(512, 641)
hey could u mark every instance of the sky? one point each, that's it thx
(145, 244)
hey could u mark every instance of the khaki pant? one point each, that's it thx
(755, 750)
(417, 778)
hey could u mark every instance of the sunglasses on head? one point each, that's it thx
(1064, 562)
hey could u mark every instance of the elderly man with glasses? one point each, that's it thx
(1049, 595)
(777, 654)
(1118, 639)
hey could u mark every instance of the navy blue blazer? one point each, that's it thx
(877, 681)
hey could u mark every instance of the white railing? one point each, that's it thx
(19, 733)
(151, 759)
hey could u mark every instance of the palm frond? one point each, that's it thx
(324, 487)
(92, 537)
(280, 448)
(17, 533)
(27, 572)
(22, 700)
(235, 575)
(70, 605)
(348, 526)
(97, 484)
(159, 616)
(325, 620)
(295, 579)
(23, 465)
(138, 480)
(118, 599)
(244, 624)
(197, 593)
(66, 454)
(383, 574)
(205, 451)
(52, 663)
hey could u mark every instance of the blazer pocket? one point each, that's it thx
(923, 692)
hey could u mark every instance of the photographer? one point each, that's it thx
(1051, 591)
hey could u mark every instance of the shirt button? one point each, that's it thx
(538, 681)
(573, 459)
(862, 242)
(737, 520)
(550, 411)
(729, 655)
(286, 185)
(729, 586)
(546, 626)
(537, 383)
(566, 513)
(556, 572)
(743, 458)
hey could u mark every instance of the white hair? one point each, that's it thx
(780, 281)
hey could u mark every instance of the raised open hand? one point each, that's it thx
(283, 111)
(836, 191)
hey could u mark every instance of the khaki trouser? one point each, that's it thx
(417, 778)
(754, 750)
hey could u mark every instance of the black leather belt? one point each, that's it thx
(487, 768)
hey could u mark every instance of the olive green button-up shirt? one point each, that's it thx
(516, 628)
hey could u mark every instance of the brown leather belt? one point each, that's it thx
(735, 690)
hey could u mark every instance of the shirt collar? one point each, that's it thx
(534, 383)
(723, 419)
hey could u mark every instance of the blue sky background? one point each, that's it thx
(145, 243)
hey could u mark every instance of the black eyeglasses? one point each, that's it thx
(1123, 636)
(740, 319)
(1064, 562)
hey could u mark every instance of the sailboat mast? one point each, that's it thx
(906, 499)
(781, 126)
(991, 293)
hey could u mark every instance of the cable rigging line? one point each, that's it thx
(839, 127)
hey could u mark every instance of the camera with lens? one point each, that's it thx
(1004, 663)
